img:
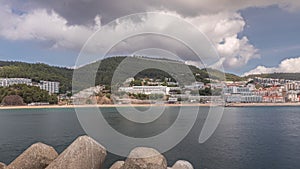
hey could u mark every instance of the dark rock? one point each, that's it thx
(37, 156)
(145, 158)
(83, 153)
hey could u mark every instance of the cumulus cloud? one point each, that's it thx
(43, 25)
(222, 28)
(290, 65)
(113, 9)
(60, 22)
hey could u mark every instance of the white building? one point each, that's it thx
(4, 82)
(51, 87)
(235, 89)
(292, 96)
(235, 94)
(145, 89)
(243, 98)
(195, 86)
(292, 86)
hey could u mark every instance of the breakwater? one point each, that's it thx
(86, 153)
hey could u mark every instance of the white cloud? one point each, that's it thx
(217, 19)
(290, 65)
(223, 28)
(42, 25)
(81, 11)
(210, 6)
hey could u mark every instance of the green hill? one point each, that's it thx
(105, 71)
(288, 76)
(37, 72)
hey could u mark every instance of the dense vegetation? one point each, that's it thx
(288, 76)
(29, 94)
(12, 100)
(105, 72)
(37, 72)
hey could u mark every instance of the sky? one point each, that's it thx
(250, 36)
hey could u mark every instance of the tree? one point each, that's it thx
(12, 100)
(29, 94)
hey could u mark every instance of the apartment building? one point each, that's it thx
(51, 87)
(4, 82)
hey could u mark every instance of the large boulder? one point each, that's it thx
(181, 164)
(117, 165)
(145, 158)
(83, 153)
(37, 156)
(2, 165)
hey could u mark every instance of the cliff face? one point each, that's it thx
(104, 100)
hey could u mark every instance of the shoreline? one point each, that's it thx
(101, 106)
(148, 105)
(262, 104)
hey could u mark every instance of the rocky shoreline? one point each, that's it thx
(86, 153)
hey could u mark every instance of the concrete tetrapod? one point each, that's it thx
(83, 153)
(37, 156)
(145, 158)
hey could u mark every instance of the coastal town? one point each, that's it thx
(146, 91)
(168, 91)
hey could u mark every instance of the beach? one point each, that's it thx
(147, 105)
(261, 104)
(100, 105)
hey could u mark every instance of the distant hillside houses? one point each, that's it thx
(272, 82)
(266, 90)
(237, 94)
(51, 87)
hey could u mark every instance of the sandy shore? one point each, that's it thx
(261, 104)
(105, 105)
(146, 105)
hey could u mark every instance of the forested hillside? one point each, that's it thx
(29, 94)
(105, 72)
(37, 72)
(288, 76)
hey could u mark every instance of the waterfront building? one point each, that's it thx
(172, 83)
(251, 98)
(292, 96)
(154, 83)
(273, 99)
(172, 100)
(51, 87)
(234, 94)
(292, 86)
(195, 86)
(243, 98)
(235, 89)
(144, 89)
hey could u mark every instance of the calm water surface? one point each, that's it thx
(247, 138)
